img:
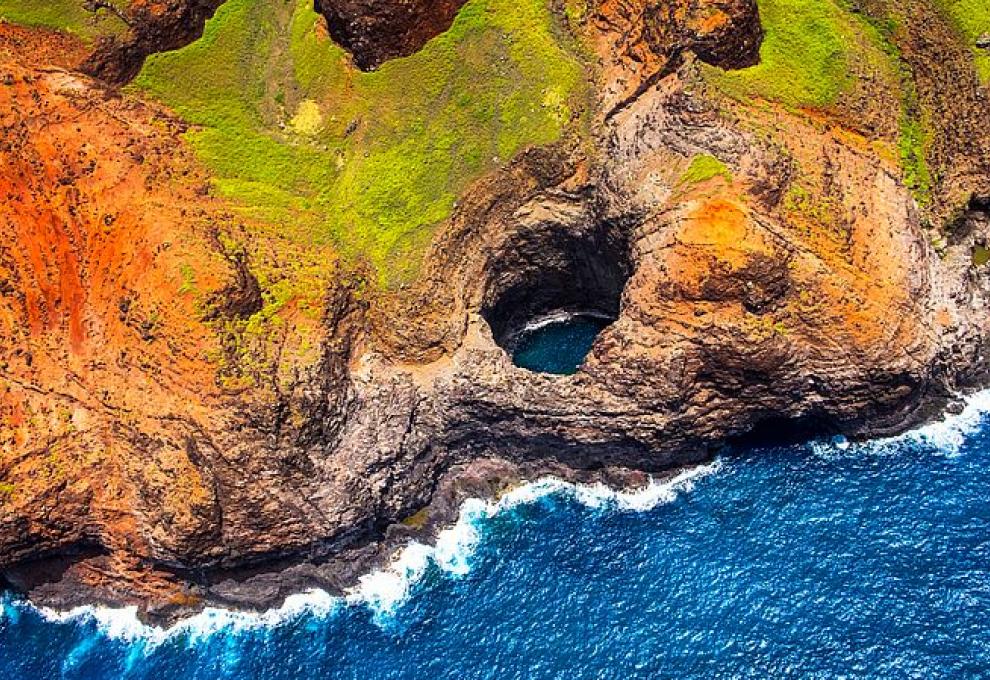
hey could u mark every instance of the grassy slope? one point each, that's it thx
(703, 168)
(808, 60)
(65, 15)
(973, 19)
(368, 161)
(804, 59)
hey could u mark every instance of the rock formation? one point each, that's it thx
(797, 288)
(377, 30)
(153, 26)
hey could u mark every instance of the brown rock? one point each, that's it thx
(133, 472)
(374, 31)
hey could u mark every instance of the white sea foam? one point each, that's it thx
(560, 317)
(949, 434)
(946, 436)
(123, 623)
(385, 590)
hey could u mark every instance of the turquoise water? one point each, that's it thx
(823, 560)
(558, 346)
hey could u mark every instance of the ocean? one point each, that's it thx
(822, 560)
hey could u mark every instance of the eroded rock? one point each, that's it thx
(374, 31)
(798, 288)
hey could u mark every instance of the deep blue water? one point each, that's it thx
(813, 561)
(558, 346)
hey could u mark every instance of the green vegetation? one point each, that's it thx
(913, 136)
(64, 15)
(188, 275)
(704, 167)
(911, 145)
(814, 52)
(370, 162)
(981, 256)
(804, 59)
(418, 519)
(817, 208)
(6, 490)
(972, 18)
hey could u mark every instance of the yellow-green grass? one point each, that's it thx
(813, 54)
(805, 56)
(912, 146)
(972, 18)
(702, 168)
(371, 162)
(63, 15)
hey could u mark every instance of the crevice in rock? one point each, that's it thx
(775, 431)
(49, 567)
(153, 28)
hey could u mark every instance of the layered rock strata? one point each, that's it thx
(797, 289)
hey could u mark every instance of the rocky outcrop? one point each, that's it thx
(949, 96)
(639, 42)
(104, 381)
(153, 26)
(374, 31)
(36, 47)
(797, 288)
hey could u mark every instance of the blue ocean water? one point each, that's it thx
(824, 560)
(558, 346)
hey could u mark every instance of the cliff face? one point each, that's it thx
(767, 267)
(102, 357)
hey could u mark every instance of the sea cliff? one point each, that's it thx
(260, 262)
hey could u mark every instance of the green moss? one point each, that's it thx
(371, 162)
(972, 18)
(913, 135)
(819, 209)
(703, 168)
(64, 15)
(6, 490)
(188, 284)
(804, 59)
(912, 145)
(576, 11)
(981, 256)
(813, 52)
(418, 519)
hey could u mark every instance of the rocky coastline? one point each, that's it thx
(799, 290)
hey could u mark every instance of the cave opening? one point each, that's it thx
(551, 291)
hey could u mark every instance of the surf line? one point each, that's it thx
(384, 590)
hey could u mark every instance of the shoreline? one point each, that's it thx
(385, 588)
(388, 587)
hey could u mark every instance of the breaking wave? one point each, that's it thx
(383, 590)
(835, 558)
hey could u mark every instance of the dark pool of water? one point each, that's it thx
(559, 346)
